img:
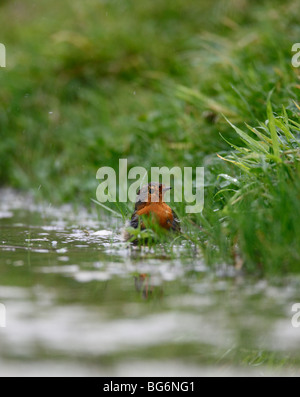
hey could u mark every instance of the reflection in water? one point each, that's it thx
(79, 301)
(142, 285)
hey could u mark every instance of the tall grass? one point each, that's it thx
(258, 218)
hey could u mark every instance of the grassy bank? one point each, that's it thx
(90, 82)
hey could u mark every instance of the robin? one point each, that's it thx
(150, 205)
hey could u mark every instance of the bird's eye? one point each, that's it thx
(151, 191)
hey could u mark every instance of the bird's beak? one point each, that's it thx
(166, 189)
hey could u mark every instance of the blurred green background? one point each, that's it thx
(90, 82)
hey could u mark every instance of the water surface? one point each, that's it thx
(80, 302)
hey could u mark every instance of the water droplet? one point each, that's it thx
(63, 258)
(103, 233)
(62, 251)
(18, 263)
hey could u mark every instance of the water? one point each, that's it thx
(80, 302)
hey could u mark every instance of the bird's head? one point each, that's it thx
(152, 193)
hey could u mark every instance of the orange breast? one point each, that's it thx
(161, 211)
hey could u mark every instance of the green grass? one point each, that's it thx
(258, 215)
(161, 83)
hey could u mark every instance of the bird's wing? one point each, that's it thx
(134, 222)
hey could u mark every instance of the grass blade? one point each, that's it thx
(117, 214)
(240, 165)
(272, 128)
(252, 143)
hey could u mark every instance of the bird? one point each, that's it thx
(150, 206)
